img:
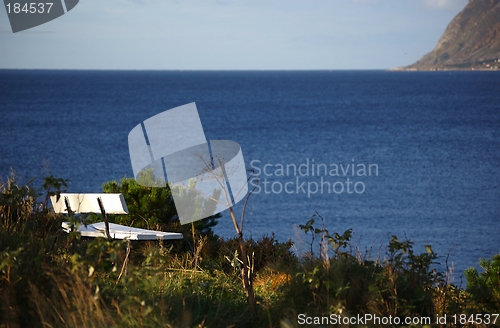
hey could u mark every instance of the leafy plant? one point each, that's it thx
(484, 287)
(153, 208)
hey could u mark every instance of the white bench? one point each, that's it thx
(105, 204)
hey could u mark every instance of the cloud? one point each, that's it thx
(442, 4)
(366, 2)
(143, 2)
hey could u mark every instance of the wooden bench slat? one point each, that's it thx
(87, 203)
(118, 231)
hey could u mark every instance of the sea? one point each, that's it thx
(411, 154)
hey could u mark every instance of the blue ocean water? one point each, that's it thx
(431, 140)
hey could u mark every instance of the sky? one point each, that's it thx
(230, 35)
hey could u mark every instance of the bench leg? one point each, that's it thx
(189, 246)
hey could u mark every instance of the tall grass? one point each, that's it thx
(52, 279)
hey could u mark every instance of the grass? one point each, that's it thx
(52, 279)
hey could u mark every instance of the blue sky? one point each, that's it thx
(231, 34)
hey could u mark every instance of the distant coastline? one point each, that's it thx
(471, 42)
(412, 69)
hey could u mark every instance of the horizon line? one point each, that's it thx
(197, 70)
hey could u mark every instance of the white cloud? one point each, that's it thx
(443, 4)
(366, 2)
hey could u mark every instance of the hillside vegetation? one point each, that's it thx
(471, 40)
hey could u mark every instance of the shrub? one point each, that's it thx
(484, 287)
(154, 208)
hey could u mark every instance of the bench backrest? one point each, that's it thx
(88, 203)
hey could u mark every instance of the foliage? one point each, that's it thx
(484, 287)
(52, 279)
(154, 208)
(345, 283)
(28, 232)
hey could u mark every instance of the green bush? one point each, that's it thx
(346, 283)
(154, 208)
(484, 287)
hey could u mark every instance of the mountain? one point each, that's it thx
(471, 40)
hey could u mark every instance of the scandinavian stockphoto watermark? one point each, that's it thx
(24, 14)
(206, 177)
(310, 177)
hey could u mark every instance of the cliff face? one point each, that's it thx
(471, 40)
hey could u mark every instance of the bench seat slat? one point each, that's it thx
(118, 231)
